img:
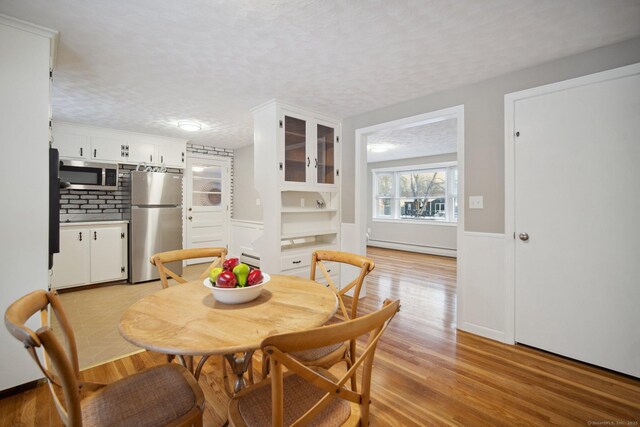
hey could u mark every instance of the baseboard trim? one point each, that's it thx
(452, 253)
(483, 331)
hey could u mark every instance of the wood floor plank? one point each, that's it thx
(426, 372)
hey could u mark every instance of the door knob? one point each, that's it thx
(523, 236)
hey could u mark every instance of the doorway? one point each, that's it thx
(358, 239)
(207, 204)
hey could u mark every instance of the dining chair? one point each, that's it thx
(162, 258)
(304, 394)
(162, 395)
(326, 357)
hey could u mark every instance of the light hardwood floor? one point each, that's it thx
(426, 372)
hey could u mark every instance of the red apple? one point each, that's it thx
(230, 263)
(254, 277)
(226, 279)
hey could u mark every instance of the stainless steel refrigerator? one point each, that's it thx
(156, 222)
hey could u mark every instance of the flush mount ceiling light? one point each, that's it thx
(189, 126)
(379, 148)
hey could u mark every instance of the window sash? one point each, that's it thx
(427, 206)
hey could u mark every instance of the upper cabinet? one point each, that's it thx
(308, 157)
(81, 142)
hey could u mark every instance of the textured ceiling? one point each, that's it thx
(143, 65)
(424, 140)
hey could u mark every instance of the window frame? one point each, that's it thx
(451, 193)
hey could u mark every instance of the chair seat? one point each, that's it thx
(316, 353)
(153, 397)
(255, 407)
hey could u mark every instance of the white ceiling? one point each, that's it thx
(143, 65)
(425, 140)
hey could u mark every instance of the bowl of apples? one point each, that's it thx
(235, 282)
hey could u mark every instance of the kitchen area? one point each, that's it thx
(119, 201)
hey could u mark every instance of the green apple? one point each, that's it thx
(241, 271)
(214, 273)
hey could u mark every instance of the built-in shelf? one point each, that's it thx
(307, 210)
(307, 233)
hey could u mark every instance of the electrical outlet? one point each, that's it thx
(476, 202)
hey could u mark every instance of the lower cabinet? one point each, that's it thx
(90, 254)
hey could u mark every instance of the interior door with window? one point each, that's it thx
(207, 202)
(576, 222)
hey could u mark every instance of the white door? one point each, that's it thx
(107, 253)
(71, 265)
(207, 202)
(577, 197)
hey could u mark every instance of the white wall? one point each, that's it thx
(24, 135)
(245, 194)
(424, 237)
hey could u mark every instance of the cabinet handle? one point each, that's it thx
(80, 151)
(80, 236)
(316, 166)
(308, 162)
(297, 262)
(190, 218)
(95, 152)
(95, 235)
(161, 159)
(151, 157)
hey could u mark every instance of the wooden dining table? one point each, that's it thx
(185, 320)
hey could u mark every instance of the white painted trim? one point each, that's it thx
(361, 178)
(416, 221)
(361, 198)
(509, 166)
(27, 26)
(427, 166)
(482, 331)
(485, 235)
(430, 250)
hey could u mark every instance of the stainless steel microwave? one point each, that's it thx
(89, 175)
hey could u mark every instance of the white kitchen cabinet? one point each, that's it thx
(300, 196)
(108, 149)
(90, 253)
(81, 142)
(172, 154)
(72, 146)
(142, 151)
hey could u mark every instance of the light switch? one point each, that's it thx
(258, 201)
(476, 202)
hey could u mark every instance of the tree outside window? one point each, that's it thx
(422, 194)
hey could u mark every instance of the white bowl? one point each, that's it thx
(237, 295)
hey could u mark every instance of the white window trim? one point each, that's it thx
(395, 217)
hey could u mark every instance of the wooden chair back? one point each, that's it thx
(61, 361)
(366, 265)
(278, 347)
(162, 258)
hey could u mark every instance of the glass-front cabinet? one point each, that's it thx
(309, 151)
(295, 149)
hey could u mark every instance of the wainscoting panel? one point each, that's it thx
(481, 285)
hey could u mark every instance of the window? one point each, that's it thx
(424, 193)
